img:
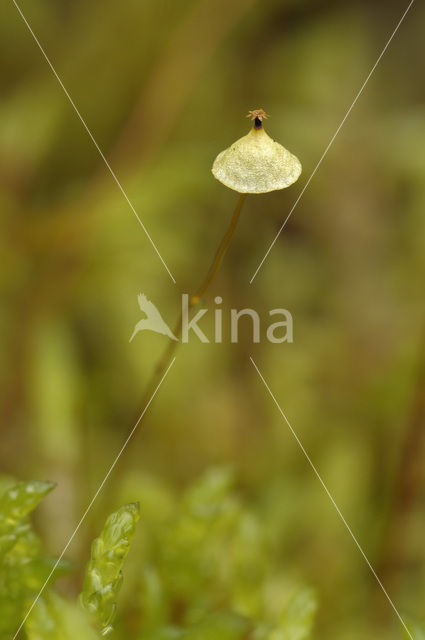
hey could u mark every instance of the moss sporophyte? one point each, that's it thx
(256, 163)
(253, 164)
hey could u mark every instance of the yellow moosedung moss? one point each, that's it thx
(256, 163)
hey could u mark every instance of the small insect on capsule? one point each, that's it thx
(256, 163)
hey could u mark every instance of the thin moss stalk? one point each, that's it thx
(195, 298)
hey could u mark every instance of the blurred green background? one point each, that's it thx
(164, 86)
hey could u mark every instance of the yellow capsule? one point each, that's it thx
(256, 163)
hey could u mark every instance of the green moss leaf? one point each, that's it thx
(295, 620)
(15, 505)
(103, 575)
(23, 567)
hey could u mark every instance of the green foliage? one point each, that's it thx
(103, 576)
(295, 619)
(54, 618)
(209, 571)
(206, 570)
(15, 504)
(23, 566)
(24, 570)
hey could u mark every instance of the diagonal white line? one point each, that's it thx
(331, 141)
(319, 477)
(99, 489)
(102, 155)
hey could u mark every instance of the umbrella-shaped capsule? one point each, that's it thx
(256, 163)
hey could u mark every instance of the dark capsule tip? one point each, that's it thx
(257, 123)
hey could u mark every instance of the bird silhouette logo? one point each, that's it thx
(153, 320)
